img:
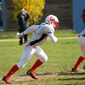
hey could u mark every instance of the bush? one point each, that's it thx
(33, 7)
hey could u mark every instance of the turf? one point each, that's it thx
(62, 56)
(60, 34)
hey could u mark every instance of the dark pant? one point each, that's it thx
(21, 39)
(25, 36)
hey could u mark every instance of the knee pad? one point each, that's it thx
(21, 65)
(44, 59)
(83, 56)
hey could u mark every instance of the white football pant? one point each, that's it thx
(27, 54)
(81, 41)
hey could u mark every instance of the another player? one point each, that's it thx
(31, 47)
(81, 41)
(83, 17)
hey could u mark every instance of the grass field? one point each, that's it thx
(62, 56)
(60, 34)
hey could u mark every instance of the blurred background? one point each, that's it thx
(68, 11)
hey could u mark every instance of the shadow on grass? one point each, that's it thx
(2, 83)
(72, 79)
(71, 73)
(40, 74)
(58, 73)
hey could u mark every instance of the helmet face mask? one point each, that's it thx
(56, 25)
(53, 21)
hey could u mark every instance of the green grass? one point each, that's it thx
(30, 35)
(62, 56)
(7, 37)
(66, 34)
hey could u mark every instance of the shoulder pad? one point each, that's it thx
(49, 29)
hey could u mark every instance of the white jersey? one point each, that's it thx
(42, 32)
(82, 33)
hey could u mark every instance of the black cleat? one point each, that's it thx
(84, 67)
(76, 70)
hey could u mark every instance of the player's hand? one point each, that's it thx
(19, 35)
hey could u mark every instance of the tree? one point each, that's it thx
(33, 7)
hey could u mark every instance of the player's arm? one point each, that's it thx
(28, 30)
(50, 31)
(52, 37)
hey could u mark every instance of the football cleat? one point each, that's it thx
(6, 80)
(76, 70)
(32, 75)
(84, 67)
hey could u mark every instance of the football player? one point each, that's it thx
(31, 47)
(81, 41)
